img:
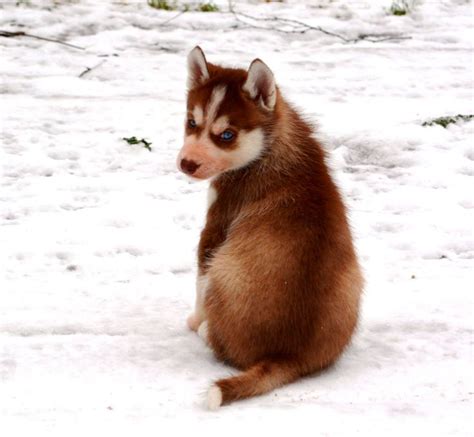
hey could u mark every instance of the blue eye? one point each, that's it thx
(227, 135)
(192, 123)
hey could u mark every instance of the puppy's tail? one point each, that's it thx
(261, 378)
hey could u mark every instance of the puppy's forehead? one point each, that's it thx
(204, 104)
(208, 103)
(206, 94)
(215, 101)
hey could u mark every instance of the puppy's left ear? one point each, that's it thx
(198, 72)
(260, 84)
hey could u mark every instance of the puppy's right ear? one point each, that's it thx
(198, 72)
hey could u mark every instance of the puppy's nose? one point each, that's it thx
(188, 166)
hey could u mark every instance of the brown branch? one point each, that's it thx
(7, 34)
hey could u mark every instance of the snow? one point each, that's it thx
(98, 237)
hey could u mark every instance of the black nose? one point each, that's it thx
(188, 166)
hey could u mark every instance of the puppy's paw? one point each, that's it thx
(193, 322)
(203, 332)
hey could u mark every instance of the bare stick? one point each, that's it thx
(303, 27)
(300, 27)
(172, 18)
(8, 34)
(89, 69)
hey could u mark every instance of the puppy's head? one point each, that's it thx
(229, 114)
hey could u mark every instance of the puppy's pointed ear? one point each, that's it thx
(260, 84)
(198, 72)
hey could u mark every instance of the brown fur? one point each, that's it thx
(284, 278)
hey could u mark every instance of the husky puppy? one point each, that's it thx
(278, 284)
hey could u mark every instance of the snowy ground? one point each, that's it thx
(98, 238)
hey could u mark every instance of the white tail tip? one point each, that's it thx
(214, 398)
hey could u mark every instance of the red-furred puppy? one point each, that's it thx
(278, 284)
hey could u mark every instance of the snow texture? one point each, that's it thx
(98, 237)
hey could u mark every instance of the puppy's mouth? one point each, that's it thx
(200, 173)
(204, 173)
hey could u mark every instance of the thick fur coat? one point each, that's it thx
(279, 283)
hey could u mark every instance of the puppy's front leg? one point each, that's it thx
(199, 316)
(202, 332)
(212, 236)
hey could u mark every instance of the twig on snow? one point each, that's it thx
(380, 37)
(7, 34)
(296, 26)
(89, 69)
(173, 18)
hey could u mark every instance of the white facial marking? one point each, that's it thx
(198, 115)
(188, 139)
(217, 96)
(211, 196)
(220, 125)
(214, 398)
(250, 146)
(212, 159)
